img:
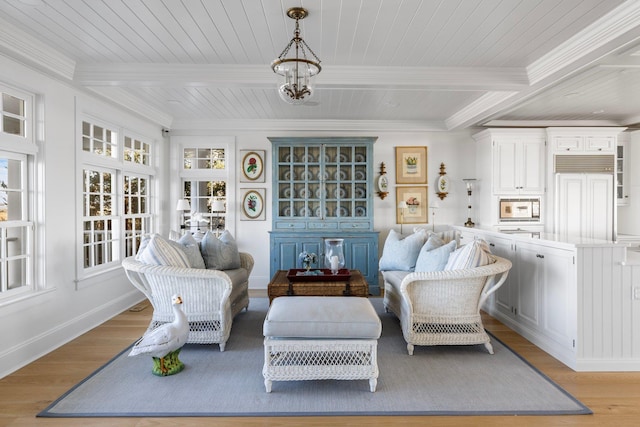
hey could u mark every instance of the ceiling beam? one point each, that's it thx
(339, 77)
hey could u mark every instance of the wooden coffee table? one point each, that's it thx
(280, 286)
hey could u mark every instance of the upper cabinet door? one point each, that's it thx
(533, 161)
(518, 167)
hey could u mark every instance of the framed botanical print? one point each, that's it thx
(417, 203)
(252, 165)
(253, 204)
(411, 165)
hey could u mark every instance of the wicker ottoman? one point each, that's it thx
(314, 338)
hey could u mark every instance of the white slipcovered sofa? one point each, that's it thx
(442, 306)
(211, 297)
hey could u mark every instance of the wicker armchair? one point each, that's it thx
(443, 307)
(212, 298)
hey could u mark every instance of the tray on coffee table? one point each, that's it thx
(318, 275)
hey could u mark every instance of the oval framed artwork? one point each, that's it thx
(253, 205)
(252, 166)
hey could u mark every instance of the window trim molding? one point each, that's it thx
(28, 147)
(178, 143)
(86, 277)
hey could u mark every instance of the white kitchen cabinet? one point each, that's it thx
(529, 274)
(518, 166)
(510, 163)
(559, 292)
(622, 174)
(584, 205)
(506, 296)
(570, 296)
(582, 143)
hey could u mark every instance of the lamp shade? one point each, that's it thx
(434, 205)
(183, 205)
(402, 205)
(218, 205)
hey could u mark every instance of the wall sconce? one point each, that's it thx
(402, 205)
(218, 208)
(183, 206)
(434, 205)
(469, 182)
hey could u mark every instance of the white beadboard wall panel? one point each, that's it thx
(607, 336)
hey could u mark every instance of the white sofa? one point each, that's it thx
(437, 288)
(443, 307)
(212, 298)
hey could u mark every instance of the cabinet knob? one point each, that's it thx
(539, 256)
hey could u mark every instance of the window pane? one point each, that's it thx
(16, 273)
(13, 105)
(11, 192)
(13, 126)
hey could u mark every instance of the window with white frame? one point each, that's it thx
(100, 224)
(204, 184)
(13, 114)
(17, 164)
(137, 218)
(116, 182)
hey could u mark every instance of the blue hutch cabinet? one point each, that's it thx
(322, 189)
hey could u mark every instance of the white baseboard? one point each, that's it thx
(18, 356)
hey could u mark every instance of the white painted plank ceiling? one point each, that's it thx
(428, 64)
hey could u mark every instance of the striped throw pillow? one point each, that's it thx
(160, 251)
(471, 255)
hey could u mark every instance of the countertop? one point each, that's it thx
(549, 239)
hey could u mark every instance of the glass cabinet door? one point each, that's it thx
(322, 182)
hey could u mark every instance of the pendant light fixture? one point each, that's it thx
(298, 68)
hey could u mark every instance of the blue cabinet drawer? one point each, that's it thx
(323, 225)
(353, 225)
(288, 225)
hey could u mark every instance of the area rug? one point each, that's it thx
(443, 380)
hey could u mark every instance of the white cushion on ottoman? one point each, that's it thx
(322, 317)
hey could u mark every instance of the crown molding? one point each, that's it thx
(550, 123)
(124, 98)
(308, 125)
(20, 45)
(616, 23)
(471, 113)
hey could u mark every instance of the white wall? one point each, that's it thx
(455, 149)
(63, 309)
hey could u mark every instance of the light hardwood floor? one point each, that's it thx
(614, 397)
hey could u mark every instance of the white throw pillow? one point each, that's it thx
(401, 253)
(436, 258)
(471, 255)
(192, 248)
(447, 236)
(220, 253)
(160, 251)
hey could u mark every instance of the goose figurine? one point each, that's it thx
(165, 342)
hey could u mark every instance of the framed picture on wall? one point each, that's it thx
(253, 204)
(411, 165)
(416, 202)
(252, 165)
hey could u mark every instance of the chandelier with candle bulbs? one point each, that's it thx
(297, 70)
